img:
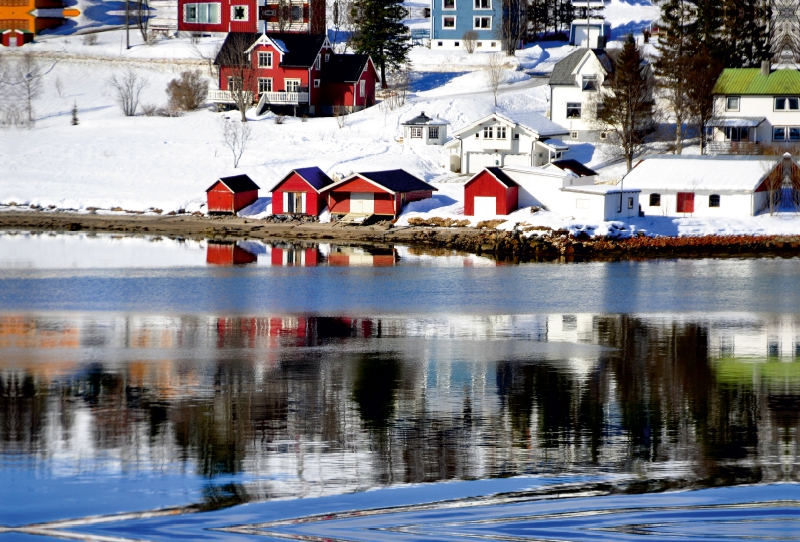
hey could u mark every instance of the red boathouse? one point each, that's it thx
(383, 193)
(490, 192)
(231, 194)
(301, 192)
(228, 254)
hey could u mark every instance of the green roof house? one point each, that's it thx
(755, 106)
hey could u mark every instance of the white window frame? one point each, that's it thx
(433, 132)
(782, 138)
(455, 22)
(488, 132)
(587, 78)
(327, 57)
(316, 83)
(362, 88)
(476, 4)
(268, 81)
(318, 63)
(207, 19)
(286, 83)
(268, 56)
(574, 105)
(246, 8)
(416, 132)
(728, 103)
(445, 8)
(501, 132)
(786, 103)
(477, 18)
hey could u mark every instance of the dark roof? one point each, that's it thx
(397, 180)
(562, 71)
(301, 49)
(501, 176)
(237, 183)
(575, 167)
(422, 118)
(344, 68)
(315, 177)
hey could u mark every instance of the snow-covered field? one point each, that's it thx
(141, 163)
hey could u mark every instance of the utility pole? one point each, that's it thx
(127, 25)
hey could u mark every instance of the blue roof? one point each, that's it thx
(315, 177)
(397, 180)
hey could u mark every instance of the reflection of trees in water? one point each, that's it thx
(653, 398)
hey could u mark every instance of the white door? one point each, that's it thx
(480, 160)
(362, 202)
(485, 206)
(12, 41)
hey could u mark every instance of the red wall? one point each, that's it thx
(222, 200)
(314, 202)
(485, 185)
(311, 256)
(345, 93)
(339, 197)
(225, 24)
(228, 254)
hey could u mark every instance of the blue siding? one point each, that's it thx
(464, 13)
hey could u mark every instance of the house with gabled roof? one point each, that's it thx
(508, 138)
(231, 194)
(301, 191)
(753, 107)
(382, 193)
(296, 74)
(490, 192)
(574, 85)
(219, 16)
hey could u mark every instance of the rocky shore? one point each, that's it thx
(512, 246)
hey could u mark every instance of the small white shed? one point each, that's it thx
(601, 202)
(425, 130)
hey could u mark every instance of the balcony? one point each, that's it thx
(284, 98)
(733, 147)
(225, 97)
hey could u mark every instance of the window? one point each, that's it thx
(501, 132)
(483, 4)
(778, 133)
(733, 133)
(439, 44)
(264, 85)
(493, 45)
(327, 57)
(416, 132)
(201, 13)
(455, 44)
(685, 202)
(448, 4)
(488, 132)
(573, 135)
(317, 63)
(233, 83)
(589, 82)
(292, 85)
(297, 13)
(238, 13)
(264, 60)
(573, 110)
(362, 88)
(480, 44)
(630, 203)
(516, 136)
(603, 135)
(794, 133)
(449, 22)
(484, 23)
(732, 103)
(713, 200)
(787, 104)
(655, 200)
(316, 83)
(433, 132)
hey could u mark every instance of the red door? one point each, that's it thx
(685, 202)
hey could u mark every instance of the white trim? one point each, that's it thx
(246, 13)
(475, 7)
(291, 79)
(358, 176)
(269, 56)
(455, 22)
(476, 18)
(317, 83)
(455, 6)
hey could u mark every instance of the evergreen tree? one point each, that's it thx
(674, 47)
(381, 33)
(702, 71)
(75, 114)
(626, 106)
(745, 33)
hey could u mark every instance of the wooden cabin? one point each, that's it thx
(490, 192)
(382, 193)
(220, 253)
(231, 194)
(301, 192)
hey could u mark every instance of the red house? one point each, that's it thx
(228, 254)
(490, 192)
(383, 193)
(231, 194)
(301, 192)
(287, 256)
(296, 74)
(15, 38)
(204, 16)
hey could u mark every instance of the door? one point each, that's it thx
(12, 41)
(362, 202)
(480, 160)
(685, 202)
(485, 206)
(294, 202)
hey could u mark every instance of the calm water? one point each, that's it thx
(603, 401)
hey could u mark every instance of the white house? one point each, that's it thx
(425, 130)
(503, 139)
(592, 33)
(706, 185)
(567, 194)
(574, 85)
(755, 106)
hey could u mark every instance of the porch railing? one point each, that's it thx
(226, 97)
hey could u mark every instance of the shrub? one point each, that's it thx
(188, 92)
(470, 39)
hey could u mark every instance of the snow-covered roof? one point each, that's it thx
(552, 172)
(423, 119)
(555, 144)
(599, 189)
(739, 122)
(706, 173)
(535, 123)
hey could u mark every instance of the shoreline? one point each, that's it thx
(503, 245)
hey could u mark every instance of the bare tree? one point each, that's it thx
(514, 24)
(236, 71)
(208, 57)
(495, 73)
(236, 135)
(470, 39)
(30, 80)
(188, 92)
(340, 113)
(143, 18)
(128, 88)
(702, 71)
(59, 87)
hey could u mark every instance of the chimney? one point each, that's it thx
(765, 67)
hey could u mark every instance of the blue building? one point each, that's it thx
(451, 19)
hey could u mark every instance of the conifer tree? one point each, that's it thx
(674, 46)
(381, 33)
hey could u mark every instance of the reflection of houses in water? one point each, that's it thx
(295, 255)
(777, 337)
(228, 253)
(21, 20)
(344, 256)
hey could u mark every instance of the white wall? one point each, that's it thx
(563, 94)
(730, 204)
(756, 106)
(473, 142)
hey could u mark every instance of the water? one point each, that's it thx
(600, 401)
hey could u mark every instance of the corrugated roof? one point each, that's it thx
(397, 180)
(237, 183)
(315, 177)
(747, 122)
(750, 81)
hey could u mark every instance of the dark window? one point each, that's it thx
(794, 133)
(589, 82)
(573, 110)
(297, 13)
(778, 133)
(655, 200)
(713, 200)
(449, 4)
